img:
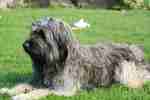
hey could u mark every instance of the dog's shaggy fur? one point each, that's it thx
(63, 66)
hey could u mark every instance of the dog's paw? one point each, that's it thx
(4, 91)
(135, 83)
(21, 97)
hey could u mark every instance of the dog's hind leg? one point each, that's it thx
(18, 89)
(130, 74)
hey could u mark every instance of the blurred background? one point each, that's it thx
(108, 4)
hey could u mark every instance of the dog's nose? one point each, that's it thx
(26, 44)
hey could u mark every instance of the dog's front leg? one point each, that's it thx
(40, 93)
(37, 77)
(33, 95)
(18, 89)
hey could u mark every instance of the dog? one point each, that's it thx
(63, 66)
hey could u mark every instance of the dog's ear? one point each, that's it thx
(63, 36)
(41, 33)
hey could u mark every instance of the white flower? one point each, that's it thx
(81, 24)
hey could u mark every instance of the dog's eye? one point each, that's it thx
(41, 33)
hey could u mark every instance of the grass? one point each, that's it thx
(106, 25)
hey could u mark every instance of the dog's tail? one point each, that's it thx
(132, 74)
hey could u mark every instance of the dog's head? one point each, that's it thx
(48, 40)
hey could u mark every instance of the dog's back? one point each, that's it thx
(101, 63)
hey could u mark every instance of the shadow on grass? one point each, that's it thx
(10, 79)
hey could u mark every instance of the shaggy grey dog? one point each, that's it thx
(63, 66)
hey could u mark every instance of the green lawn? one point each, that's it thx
(106, 25)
